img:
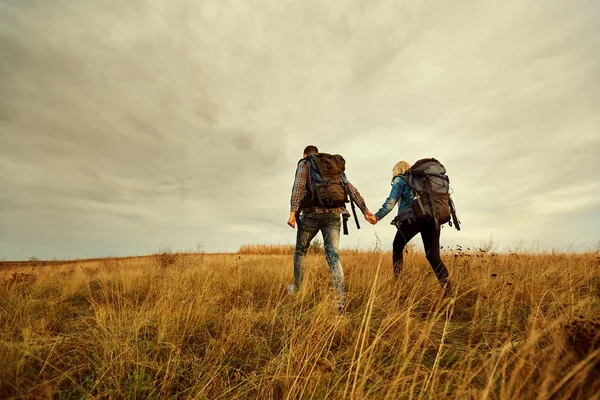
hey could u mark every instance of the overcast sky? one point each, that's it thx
(127, 125)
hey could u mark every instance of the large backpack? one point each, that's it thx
(327, 185)
(326, 181)
(430, 188)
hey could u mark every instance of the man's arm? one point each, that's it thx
(298, 192)
(357, 198)
(299, 188)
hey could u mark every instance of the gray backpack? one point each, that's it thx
(430, 188)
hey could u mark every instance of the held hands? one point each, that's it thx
(369, 216)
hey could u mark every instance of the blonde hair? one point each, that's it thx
(400, 168)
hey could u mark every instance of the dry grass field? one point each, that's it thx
(194, 326)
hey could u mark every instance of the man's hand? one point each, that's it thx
(292, 219)
(369, 216)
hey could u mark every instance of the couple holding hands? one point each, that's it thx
(318, 202)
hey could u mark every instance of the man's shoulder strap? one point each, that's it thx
(344, 178)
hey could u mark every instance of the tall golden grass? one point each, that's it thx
(316, 247)
(521, 326)
(269, 249)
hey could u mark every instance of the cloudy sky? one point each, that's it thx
(128, 125)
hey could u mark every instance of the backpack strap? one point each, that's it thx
(343, 183)
(354, 213)
(453, 213)
(429, 190)
(345, 216)
(407, 176)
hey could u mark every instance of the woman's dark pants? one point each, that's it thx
(431, 242)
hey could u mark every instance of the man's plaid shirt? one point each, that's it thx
(299, 192)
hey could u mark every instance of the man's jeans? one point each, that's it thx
(309, 224)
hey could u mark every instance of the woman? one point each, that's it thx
(409, 226)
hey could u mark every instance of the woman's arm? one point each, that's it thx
(392, 199)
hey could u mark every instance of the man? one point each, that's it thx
(315, 218)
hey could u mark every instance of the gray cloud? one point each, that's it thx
(127, 125)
